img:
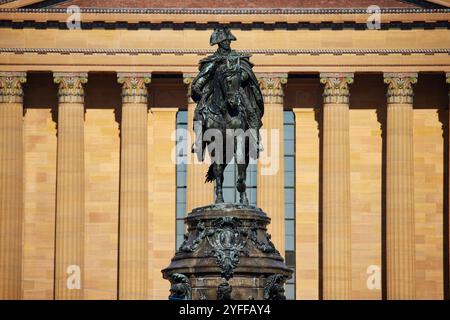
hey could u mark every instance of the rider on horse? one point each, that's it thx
(252, 99)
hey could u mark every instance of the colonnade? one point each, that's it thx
(133, 250)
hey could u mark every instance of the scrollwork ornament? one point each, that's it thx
(227, 242)
(266, 246)
(201, 233)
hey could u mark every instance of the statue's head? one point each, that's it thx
(274, 287)
(178, 291)
(222, 36)
(180, 288)
(224, 291)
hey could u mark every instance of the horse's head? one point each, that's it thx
(231, 81)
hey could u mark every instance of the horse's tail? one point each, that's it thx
(210, 176)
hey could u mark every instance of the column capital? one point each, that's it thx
(336, 87)
(70, 86)
(400, 87)
(11, 90)
(187, 80)
(271, 85)
(188, 77)
(134, 89)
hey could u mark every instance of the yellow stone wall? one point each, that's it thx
(163, 198)
(39, 201)
(102, 160)
(304, 98)
(39, 188)
(428, 198)
(366, 116)
(430, 116)
(307, 204)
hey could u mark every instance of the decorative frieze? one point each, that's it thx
(272, 87)
(336, 89)
(134, 87)
(433, 8)
(11, 90)
(400, 87)
(70, 86)
(159, 51)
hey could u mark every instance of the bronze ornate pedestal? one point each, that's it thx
(227, 254)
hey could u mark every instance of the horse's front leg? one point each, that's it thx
(242, 163)
(240, 185)
(218, 168)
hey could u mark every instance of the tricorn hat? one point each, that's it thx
(220, 34)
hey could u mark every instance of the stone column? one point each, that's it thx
(11, 183)
(133, 229)
(270, 178)
(69, 245)
(336, 222)
(400, 234)
(198, 193)
(448, 178)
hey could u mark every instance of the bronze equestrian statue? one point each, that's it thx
(229, 103)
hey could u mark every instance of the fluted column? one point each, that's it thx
(11, 183)
(69, 246)
(400, 234)
(270, 178)
(198, 193)
(336, 186)
(133, 229)
(448, 178)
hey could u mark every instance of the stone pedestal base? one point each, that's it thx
(227, 253)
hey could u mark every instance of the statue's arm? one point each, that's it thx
(200, 80)
(252, 82)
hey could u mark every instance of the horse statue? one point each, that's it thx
(229, 108)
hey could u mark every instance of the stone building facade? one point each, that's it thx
(88, 186)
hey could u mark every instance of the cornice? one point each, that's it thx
(114, 51)
(243, 18)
